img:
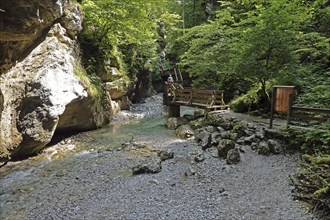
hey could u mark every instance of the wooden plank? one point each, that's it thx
(201, 101)
(195, 91)
(282, 99)
(308, 118)
(218, 106)
(315, 110)
(182, 90)
(289, 114)
(180, 102)
(183, 95)
(199, 104)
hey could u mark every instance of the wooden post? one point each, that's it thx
(272, 107)
(174, 111)
(181, 78)
(176, 75)
(289, 110)
(165, 95)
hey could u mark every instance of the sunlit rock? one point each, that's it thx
(42, 93)
(23, 24)
(184, 131)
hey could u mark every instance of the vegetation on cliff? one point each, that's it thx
(123, 35)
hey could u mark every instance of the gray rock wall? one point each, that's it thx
(23, 24)
(41, 92)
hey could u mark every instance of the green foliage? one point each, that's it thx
(317, 96)
(266, 49)
(278, 42)
(109, 23)
(313, 184)
(245, 102)
(313, 180)
(250, 100)
(91, 82)
(192, 12)
(123, 34)
(314, 140)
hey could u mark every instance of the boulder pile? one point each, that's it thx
(227, 134)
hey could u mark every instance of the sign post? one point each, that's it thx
(281, 101)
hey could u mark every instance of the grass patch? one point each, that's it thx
(92, 82)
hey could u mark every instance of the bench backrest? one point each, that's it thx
(182, 95)
(206, 98)
(202, 96)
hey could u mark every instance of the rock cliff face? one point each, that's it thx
(40, 92)
(23, 25)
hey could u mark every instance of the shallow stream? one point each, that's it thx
(20, 181)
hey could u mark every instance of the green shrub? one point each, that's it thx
(314, 140)
(92, 82)
(312, 182)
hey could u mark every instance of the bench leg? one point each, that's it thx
(174, 111)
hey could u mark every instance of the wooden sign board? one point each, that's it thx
(282, 98)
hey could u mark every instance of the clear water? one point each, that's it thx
(25, 181)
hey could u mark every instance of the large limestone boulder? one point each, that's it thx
(184, 131)
(174, 122)
(117, 88)
(43, 93)
(110, 75)
(224, 146)
(23, 23)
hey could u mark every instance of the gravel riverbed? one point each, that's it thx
(98, 184)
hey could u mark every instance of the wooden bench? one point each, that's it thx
(207, 99)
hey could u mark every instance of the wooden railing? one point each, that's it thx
(207, 99)
(304, 114)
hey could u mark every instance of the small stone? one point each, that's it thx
(184, 132)
(250, 139)
(263, 148)
(254, 146)
(224, 146)
(151, 166)
(190, 172)
(221, 190)
(275, 146)
(154, 181)
(199, 158)
(174, 123)
(215, 138)
(199, 113)
(165, 155)
(233, 156)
